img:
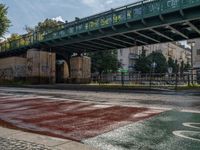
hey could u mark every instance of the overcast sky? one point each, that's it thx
(30, 12)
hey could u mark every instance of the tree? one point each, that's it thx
(184, 67)
(142, 64)
(47, 24)
(177, 67)
(160, 60)
(11, 41)
(104, 61)
(14, 37)
(4, 21)
(187, 66)
(29, 29)
(171, 64)
(15, 40)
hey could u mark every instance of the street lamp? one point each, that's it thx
(152, 69)
(50, 65)
(154, 65)
(192, 45)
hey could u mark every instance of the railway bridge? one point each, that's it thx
(142, 23)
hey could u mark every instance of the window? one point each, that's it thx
(121, 61)
(121, 52)
(131, 63)
(170, 53)
(198, 52)
(133, 50)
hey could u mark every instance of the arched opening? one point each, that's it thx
(62, 69)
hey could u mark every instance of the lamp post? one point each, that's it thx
(50, 65)
(153, 67)
(192, 45)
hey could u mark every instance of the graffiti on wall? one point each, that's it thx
(12, 72)
(172, 3)
(19, 70)
(6, 73)
(29, 65)
(45, 68)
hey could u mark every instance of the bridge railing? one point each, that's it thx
(132, 12)
(26, 40)
(121, 15)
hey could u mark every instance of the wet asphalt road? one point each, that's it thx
(158, 99)
(103, 119)
(170, 130)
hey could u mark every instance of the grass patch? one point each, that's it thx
(191, 87)
(13, 83)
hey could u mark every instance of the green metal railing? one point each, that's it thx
(121, 15)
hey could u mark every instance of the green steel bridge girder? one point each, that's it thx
(174, 28)
(142, 23)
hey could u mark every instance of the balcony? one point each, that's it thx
(133, 56)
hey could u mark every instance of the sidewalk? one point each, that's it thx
(95, 88)
(18, 140)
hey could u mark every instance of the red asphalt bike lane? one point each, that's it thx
(66, 118)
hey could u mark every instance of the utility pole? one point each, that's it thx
(192, 44)
(50, 66)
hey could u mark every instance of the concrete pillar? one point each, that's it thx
(12, 68)
(65, 71)
(41, 66)
(80, 69)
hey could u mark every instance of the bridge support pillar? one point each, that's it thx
(80, 69)
(41, 66)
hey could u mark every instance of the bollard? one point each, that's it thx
(122, 78)
(188, 79)
(150, 84)
(176, 86)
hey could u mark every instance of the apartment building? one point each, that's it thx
(176, 51)
(196, 53)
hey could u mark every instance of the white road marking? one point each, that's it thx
(181, 134)
(191, 111)
(191, 125)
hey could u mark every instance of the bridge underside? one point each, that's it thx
(176, 26)
(170, 27)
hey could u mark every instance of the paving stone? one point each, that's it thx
(75, 146)
(7, 132)
(40, 139)
(13, 144)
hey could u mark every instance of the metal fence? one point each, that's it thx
(149, 80)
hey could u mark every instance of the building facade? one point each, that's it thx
(196, 53)
(196, 57)
(128, 56)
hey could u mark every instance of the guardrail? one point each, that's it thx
(121, 15)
